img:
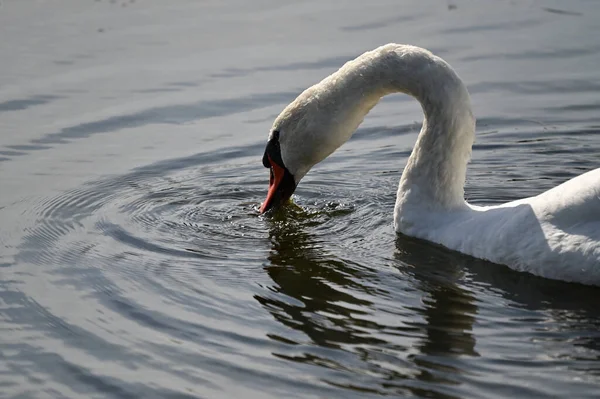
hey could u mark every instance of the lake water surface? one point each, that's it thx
(134, 262)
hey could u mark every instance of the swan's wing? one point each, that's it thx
(555, 234)
(569, 216)
(572, 207)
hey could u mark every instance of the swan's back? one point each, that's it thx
(573, 203)
(570, 217)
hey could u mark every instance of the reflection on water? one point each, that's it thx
(327, 299)
(450, 309)
(324, 307)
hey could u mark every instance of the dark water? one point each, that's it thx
(133, 260)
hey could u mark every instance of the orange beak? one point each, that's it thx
(277, 173)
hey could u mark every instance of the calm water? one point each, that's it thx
(133, 260)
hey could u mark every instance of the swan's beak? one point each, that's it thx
(281, 187)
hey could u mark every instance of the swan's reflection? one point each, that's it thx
(321, 287)
(413, 333)
(570, 311)
(330, 301)
(449, 309)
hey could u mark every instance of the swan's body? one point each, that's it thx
(555, 234)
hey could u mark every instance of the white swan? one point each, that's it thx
(555, 234)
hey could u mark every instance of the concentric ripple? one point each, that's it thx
(153, 269)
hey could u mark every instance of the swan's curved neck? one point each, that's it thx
(326, 115)
(436, 170)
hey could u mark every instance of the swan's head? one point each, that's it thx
(302, 135)
(313, 126)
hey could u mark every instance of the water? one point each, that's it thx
(134, 262)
